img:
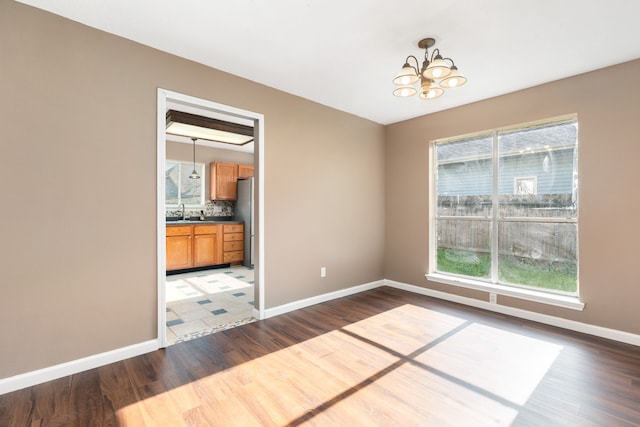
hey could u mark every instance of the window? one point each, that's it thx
(505, 207)
(524, 186)
(179, 188)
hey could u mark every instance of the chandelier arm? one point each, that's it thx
(449, 59)
(417, 63)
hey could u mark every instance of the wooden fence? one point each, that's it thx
(543, 241)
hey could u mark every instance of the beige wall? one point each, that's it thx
(79, 144)
(184, 152)
(78, 154)
(606, 102)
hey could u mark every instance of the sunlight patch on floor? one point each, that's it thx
(424, 366)
(180, 288)
(503, 363)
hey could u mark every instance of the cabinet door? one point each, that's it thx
(224, 179)
(205, 250)
(245, 171)
(179, 253)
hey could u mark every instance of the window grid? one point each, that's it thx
(498, 219)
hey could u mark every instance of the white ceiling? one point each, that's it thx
(344, 53)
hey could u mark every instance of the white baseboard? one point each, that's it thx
(58, 371)
(296, 305)
(68, 368)
(560, 322)
(73, 367)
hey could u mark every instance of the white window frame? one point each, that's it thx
(527, 293)
(189, 165)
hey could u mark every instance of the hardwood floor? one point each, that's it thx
(382, 357)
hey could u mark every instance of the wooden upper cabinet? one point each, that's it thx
(224, 178)
(245, 171)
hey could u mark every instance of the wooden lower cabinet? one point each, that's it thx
(191, 246)
(179, 247)
(233, 247)
(206, 245)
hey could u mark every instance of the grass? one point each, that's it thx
(464, 262)
(560, 276)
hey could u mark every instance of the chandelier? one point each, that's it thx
(434, 76)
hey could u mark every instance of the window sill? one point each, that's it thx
(564, 301)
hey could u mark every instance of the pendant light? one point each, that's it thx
(194, 174)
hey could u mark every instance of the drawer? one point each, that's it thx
(233, 246)
(233, 228)
(234, 256)
(182, 230)
(205, 229)
(230, 237)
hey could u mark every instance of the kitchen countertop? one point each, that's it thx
(196, 222)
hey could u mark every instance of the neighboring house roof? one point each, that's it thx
(558, 136)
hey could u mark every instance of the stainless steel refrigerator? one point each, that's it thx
(245, 212)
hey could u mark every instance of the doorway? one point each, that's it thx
(165, 99)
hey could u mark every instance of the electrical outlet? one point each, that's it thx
(323, 271)
(493, 298)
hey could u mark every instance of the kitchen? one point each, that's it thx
(209, 223)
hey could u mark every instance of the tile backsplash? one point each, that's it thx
(212, 208)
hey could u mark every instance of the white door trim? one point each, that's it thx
(165, 96)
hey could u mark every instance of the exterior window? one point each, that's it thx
(524, 186)
(505, 208)
(179, 188)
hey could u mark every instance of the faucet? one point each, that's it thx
(183, 212)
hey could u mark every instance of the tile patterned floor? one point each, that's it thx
(204, 302)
